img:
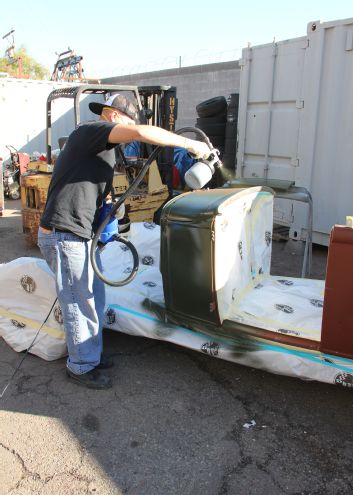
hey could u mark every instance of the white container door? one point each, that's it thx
(296, 123)
(269, 115)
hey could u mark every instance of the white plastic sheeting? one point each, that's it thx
(27, 293)
(291, 306)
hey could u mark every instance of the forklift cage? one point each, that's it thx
(155, 103)
(75, 92)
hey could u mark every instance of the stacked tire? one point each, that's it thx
(212, 117)
(218, 119)
(231, 130)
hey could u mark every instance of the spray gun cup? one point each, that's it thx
(199, 175)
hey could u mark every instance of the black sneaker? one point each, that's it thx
(92, 379)
(106, 362)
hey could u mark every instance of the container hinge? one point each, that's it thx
(294, 162)
(349, 41)
(247, 57)
(299, 104)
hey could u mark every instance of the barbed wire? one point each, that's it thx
(202, 57)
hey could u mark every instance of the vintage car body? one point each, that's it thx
(204, 283)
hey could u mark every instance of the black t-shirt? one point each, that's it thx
(81, 179)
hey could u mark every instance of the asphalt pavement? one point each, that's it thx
(176, 422)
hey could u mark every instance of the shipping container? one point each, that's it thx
(296, 123)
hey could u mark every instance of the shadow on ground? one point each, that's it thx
(174, 421)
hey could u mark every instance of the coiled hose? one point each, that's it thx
(116, 206)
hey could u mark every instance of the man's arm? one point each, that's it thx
(156, 135)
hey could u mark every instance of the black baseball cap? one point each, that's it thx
(118, 102)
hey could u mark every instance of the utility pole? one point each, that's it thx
(10, 53)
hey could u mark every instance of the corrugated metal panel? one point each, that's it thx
(295, 122)
(269, 110)
(325, 141)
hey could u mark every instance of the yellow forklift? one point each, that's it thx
(157, 105)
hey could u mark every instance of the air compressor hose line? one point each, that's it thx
(116, 206)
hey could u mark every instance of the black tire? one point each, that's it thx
(211, 107)
(230, 146)
(213, 129)
(220, 115)
(217, 141)
(218, 119)
(231, 130)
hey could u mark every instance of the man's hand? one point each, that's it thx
(198, 148)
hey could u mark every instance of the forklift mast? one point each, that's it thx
(161, 109)
(157, 105)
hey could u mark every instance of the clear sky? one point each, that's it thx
(122, 37)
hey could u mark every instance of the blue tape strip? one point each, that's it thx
(316, 357)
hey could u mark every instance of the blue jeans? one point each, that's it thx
(80, 294)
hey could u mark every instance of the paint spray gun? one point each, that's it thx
(108, 230)
(202, 171)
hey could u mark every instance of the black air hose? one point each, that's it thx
(116, 206)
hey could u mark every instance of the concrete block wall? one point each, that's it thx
(194, 84)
